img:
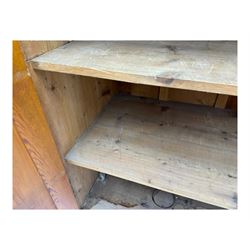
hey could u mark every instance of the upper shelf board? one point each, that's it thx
(209, 66)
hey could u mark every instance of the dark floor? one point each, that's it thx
(116, 193)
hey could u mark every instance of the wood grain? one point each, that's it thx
(71, 104)
(180, 148)
(202, 66)
(187, 96)
(29, 191)
(145, 91)
(169, 94)
(33, 129)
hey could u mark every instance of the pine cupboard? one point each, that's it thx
(158, 113)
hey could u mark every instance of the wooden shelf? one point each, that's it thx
(202, 66)
(185, 149)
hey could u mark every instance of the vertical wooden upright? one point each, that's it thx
(39, 178)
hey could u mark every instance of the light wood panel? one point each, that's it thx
(185, 149)
(170, 94)
(29, 191)
(138, 90)
(34, 132)
(71, 104)
(202, 66)
(145, 91)
(187, 96)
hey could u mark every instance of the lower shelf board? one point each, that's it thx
(180, 148)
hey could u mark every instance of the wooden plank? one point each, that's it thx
(221, 101)
(80, 179)
(185, 149)
(63, 98)
(71, 104)
(202, 66)
(187, 96)
(29, 190)
(144, 91)
(34, 131)
(169, 94)
(164, 94)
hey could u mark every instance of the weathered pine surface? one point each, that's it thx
(209, 66)
(185, 149)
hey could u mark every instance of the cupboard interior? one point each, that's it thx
(74, 105)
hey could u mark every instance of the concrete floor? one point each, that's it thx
(116, 193)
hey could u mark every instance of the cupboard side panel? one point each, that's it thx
(29, 191)
(71, 104)
(32, 126)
